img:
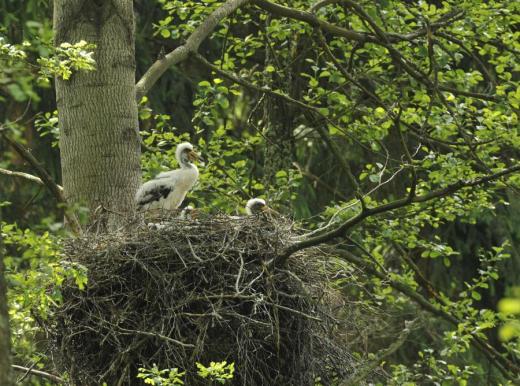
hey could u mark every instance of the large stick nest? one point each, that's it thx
(198, 291)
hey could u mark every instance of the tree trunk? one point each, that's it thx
(99, 136)
(280, 118)
(5, 338)
(279, 152)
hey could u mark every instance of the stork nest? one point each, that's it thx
(199, 291)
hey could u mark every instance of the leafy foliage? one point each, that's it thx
(35, 270)
(388, 100)
(165, 377)
(68, 58)
(219, 372)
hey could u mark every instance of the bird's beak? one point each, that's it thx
(193, 156)
(268, 210)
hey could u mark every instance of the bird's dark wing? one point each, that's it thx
(155, 194)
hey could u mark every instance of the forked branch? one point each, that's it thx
(39, 373)
(502, 363)
(26, 176)
(191, 46)
(341, 230)
(43, 176)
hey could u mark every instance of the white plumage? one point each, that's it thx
(256, 206)
(188, 213)
(168, 189)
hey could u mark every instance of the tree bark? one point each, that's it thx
(5, 336)
(279, 118)
(99, 136)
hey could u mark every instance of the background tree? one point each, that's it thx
(402, 120)
(97, 111)
(5, 336)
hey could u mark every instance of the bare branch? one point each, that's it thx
(26, 176)
(368, 212)
(312, 20)
(502, 363)
(359, 376)
(156, 335)
(191, 46)
(45, 177)
(39, 373)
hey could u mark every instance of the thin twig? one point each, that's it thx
(39, 373)
(157, 335)
(503, 364)
(26, 176)
(360, 376)
(48, 181)
(400, 203)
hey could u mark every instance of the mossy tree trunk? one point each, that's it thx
(5, 338)
(280, 119)
(279, 152)
(99, 137)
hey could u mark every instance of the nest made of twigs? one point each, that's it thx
(198, 291)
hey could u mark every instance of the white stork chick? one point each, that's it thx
(168, 189)
(256, 206)
(188, 213)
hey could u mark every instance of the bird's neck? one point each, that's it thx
(187, 165)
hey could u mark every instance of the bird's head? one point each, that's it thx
(256, 206)
(188, 213)
(185, 153)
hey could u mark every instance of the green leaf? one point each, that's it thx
(165, 33)
(509, 306)
(475, 295)
(223, 102)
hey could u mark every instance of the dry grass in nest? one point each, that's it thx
(198, 291)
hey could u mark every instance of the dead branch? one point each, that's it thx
(45, 177)
(197, 291)
(26, 176)
(39, 373)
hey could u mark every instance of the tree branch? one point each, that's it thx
(39, 373)
(26, 176)
(45, 177)
(378, 37)
(359, 36)
(312, 20)
(191, 46)
(359, 376)
(507, 367)
(368, 212)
